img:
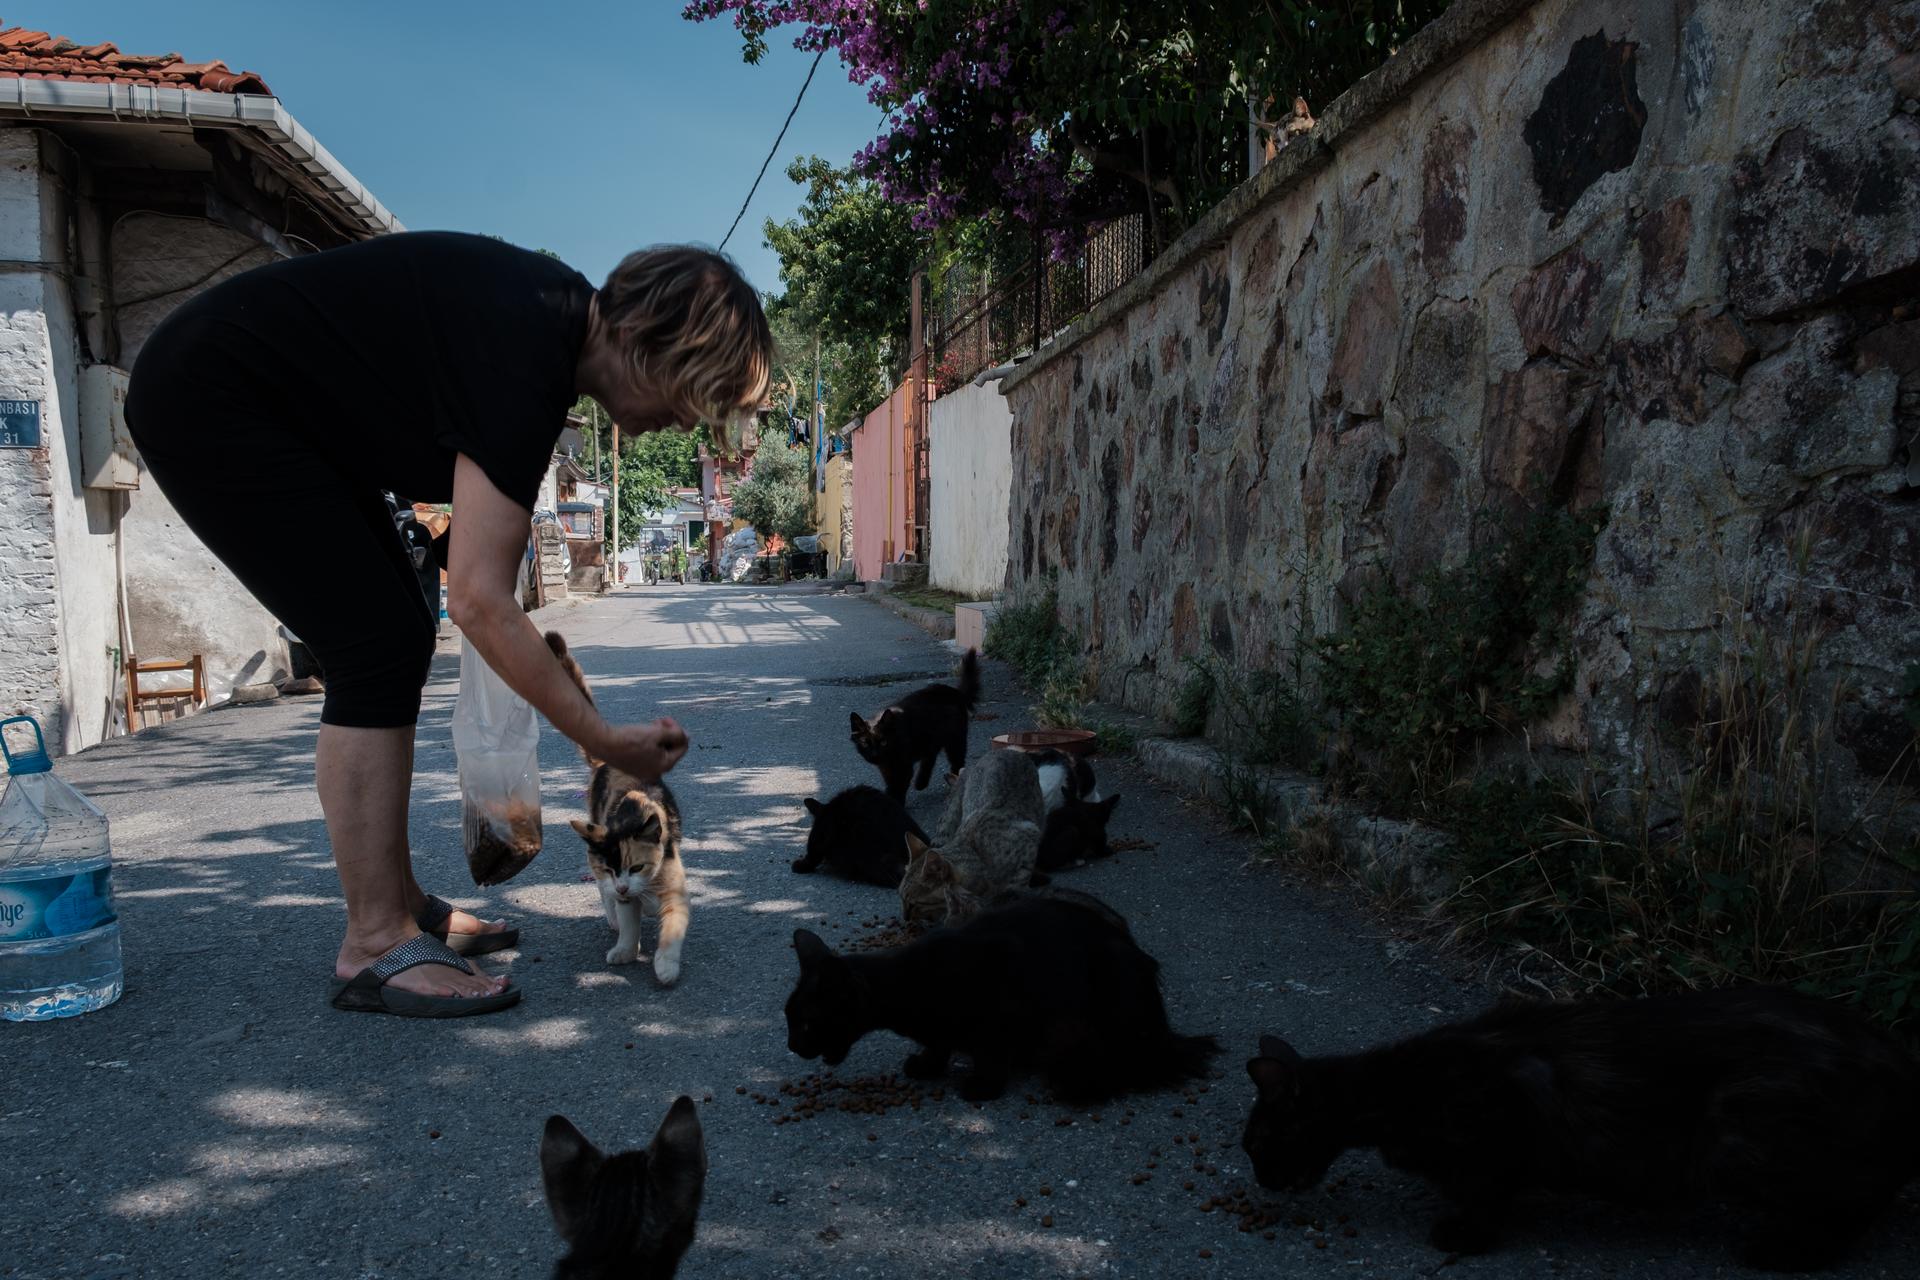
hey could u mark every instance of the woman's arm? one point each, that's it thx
(489, 538)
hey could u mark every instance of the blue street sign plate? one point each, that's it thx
(19, 424)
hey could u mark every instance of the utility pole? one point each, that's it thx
(815, 436)
(614, 515)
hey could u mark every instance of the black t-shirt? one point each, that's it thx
(394, 354)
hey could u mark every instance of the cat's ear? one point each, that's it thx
(860, 727)
(677, 1162)
(1107, 806)
(814, 807)
(916, 847)
(809, 948)
(568, 1166)
(937, 870)
(1276, 1072)
(1275, 1047)
(591, 832)
(649, 830)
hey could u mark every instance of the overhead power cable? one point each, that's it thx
(772, 151)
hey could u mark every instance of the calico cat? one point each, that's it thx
(862, 833)
(1775, 1101)
(1076, 832)
(633, 850)
(629, 1216)
(1051, 983)
(916, 729)
(988, 840)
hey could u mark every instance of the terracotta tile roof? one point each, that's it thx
(35, 55)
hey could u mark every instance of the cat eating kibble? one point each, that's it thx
(862, 833)
(1052, 983)
(988, 840)
(1779, 1103)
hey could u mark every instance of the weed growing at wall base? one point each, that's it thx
(1027, 633)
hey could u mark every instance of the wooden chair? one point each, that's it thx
(176, 701)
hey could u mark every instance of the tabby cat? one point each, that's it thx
(629, 1216)
(1053, 983)
(915, 730)
(633, 850)
(987, 842)
(1777, 1102)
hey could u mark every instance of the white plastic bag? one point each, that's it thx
(497, 739)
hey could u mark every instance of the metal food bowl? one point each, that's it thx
(1074, 742)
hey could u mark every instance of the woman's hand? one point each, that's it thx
(646, 751)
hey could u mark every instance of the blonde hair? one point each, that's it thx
(692, 326)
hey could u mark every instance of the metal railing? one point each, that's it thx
(985, 319)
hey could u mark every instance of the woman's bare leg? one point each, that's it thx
(364, 776)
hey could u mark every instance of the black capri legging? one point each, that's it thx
(316, 546)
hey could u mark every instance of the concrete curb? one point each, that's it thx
(1392, 856)
(932, 621)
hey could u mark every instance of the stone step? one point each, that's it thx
(902, 574)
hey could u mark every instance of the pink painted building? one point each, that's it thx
(881, 466)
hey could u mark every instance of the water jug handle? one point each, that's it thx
(34, 761)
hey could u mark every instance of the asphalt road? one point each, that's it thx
(221, 1120)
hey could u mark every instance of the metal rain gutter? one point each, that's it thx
(160, 104)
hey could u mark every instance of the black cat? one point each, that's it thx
(632, 1215)
(916, 729)
(1774, 1101)
(1049, 982)
(1076, 832)
(862, 833)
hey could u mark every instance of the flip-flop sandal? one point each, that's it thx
(433, 919)
(368, 992)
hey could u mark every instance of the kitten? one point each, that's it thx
(629, 1216)
(1779, 1102)
(633, 850)
(990, 836)
(1052, 983)
(916, 729)
(861, 832)
(1076, 832)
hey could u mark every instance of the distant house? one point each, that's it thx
(128, 184)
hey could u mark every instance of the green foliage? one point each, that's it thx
(1114, 739)
(929, 598)
(1028, 635)
(1418, 672)
(1194, 703)
(846, 265)
(774, 497)
(1727, 870)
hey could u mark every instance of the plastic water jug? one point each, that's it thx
(59, 938)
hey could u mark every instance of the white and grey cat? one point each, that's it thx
(985, 844)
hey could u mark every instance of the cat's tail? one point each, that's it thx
(1176, 1058)
(970, 679)
(558, 643)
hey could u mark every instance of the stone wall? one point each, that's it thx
(970, 436)
(1655, 256)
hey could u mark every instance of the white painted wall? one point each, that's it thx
(30, 682)
(59, 610)
(181, 598)
(970, 434)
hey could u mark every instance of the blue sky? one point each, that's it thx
(588, 127)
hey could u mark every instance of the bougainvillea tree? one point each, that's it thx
(1062, 114)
